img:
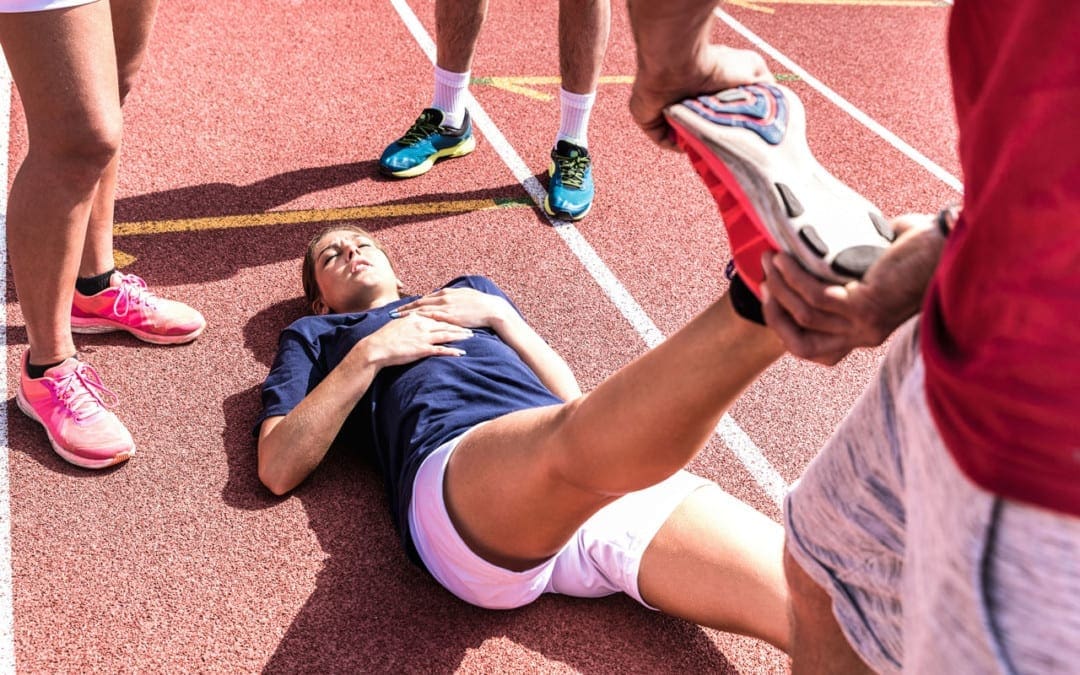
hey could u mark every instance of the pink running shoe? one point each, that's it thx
(72, 404)
(749, 146)
(128, 305)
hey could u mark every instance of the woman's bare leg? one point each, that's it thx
(719, 563)
(132, 22)
(64, 65)
(518, 487)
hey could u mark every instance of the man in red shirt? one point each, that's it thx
(939, 529)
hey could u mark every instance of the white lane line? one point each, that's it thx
(7, 611)
(735, 438)
(861, 117)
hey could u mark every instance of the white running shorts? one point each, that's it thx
(601, 559)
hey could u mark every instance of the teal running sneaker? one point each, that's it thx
(570, 190)
(426, 141)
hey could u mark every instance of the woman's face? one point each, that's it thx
(352, 274)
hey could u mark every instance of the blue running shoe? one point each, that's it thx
(426, 141)
(570, 190)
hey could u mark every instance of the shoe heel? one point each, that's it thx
(464, 148)
(747, 237)
(25, 406)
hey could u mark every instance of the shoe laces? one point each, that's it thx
(571, 168)
(423, 127)
(133, 293)
(82, 392)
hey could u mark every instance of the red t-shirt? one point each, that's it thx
(1001, 325)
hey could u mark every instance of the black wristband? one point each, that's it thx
(746, 304)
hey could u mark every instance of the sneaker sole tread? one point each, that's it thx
(774, 207)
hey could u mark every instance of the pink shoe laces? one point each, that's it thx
(82, 392)
(133, 293)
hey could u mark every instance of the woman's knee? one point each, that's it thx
(79, 152)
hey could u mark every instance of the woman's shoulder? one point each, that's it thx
(477, 281)
(312, 327)
(312, 324)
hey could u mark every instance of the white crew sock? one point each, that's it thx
(450, 91)
(574, 112)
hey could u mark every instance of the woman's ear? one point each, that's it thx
(319, 307)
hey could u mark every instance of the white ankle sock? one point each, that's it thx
(574, 112)
(450, 91)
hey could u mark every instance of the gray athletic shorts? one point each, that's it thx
(601, 559)
(929, 573)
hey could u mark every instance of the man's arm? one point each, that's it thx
(676, 59)
(291, 446)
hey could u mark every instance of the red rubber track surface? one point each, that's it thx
(179, 560)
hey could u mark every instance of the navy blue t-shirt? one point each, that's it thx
(409, 410)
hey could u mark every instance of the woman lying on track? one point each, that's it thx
(507, 482)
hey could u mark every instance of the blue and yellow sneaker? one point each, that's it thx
(426, 141)
(570, 190)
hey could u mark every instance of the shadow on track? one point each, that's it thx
(193, 256)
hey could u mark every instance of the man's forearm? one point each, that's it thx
(670, 35)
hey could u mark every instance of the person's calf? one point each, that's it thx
(817, 643)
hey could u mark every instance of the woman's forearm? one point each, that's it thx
(290, 447)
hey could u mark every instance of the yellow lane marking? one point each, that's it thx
(121, 259)
(317, 216)
(526, 85)
(309, 216)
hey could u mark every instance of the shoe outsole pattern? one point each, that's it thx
(749, 147)
(65, 454)
(459, 150)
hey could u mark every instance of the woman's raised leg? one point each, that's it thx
(518, 487)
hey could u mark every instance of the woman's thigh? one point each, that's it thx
(63, 63)
(506, 495)
(717, 562)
